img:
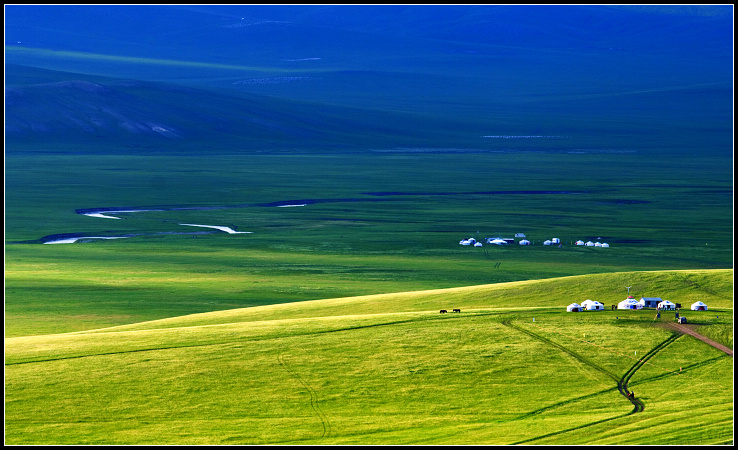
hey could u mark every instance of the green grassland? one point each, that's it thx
(322, 325)
(655, 213)
(512, 367)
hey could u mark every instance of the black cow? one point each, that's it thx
(457, 310)
(443, 311)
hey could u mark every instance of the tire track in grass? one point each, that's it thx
(560, 404)
(236, 341)
(580, 358)
(209, 344)
(622, 387)
(622, 381)
(617, 352)
(325, 423)
(577, 356)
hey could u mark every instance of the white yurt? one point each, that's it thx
(629, 303)
(547, 242)
(464, 242)
(524, 242)
(605, 244)
(498, 241)
(650, 302)
(574, 307)
(666, 305)
(591, 305)
(589, 244)
(579, 242)
(478, 244)
(698, 306)
(598, 244)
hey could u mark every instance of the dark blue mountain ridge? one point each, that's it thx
(410, 73)
(646, 28)
(75, 107)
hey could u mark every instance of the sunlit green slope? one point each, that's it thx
(511, 367)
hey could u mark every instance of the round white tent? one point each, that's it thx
(665, 305)
(591, 305)
(629, 303)
(698, 306)
(524, 242)
(574, 307)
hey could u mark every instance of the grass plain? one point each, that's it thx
(385, 369)
(261, 339)
(355, 243)
(322, 325)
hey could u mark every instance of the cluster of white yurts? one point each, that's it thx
(587, 305)
(632, 303)
(506, 241)
(592, 244)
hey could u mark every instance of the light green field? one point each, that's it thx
(511, 367)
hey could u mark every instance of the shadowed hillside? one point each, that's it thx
(79, 107)
(596, 76)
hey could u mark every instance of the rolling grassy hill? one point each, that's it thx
(511, 367)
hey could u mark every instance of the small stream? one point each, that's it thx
(113, 212)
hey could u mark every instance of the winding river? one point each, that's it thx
(112, 212)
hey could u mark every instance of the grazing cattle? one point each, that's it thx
(457, 310)
(443, 311)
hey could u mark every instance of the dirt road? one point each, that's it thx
(687, 330)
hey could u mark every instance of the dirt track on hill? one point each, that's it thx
(687, 330)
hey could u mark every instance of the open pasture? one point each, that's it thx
(511, 367)
(223, 228)
(380, 222)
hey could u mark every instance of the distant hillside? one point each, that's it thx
(78, 107)
(601, 75)
(211, 32)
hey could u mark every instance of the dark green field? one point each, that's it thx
(654, 212)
